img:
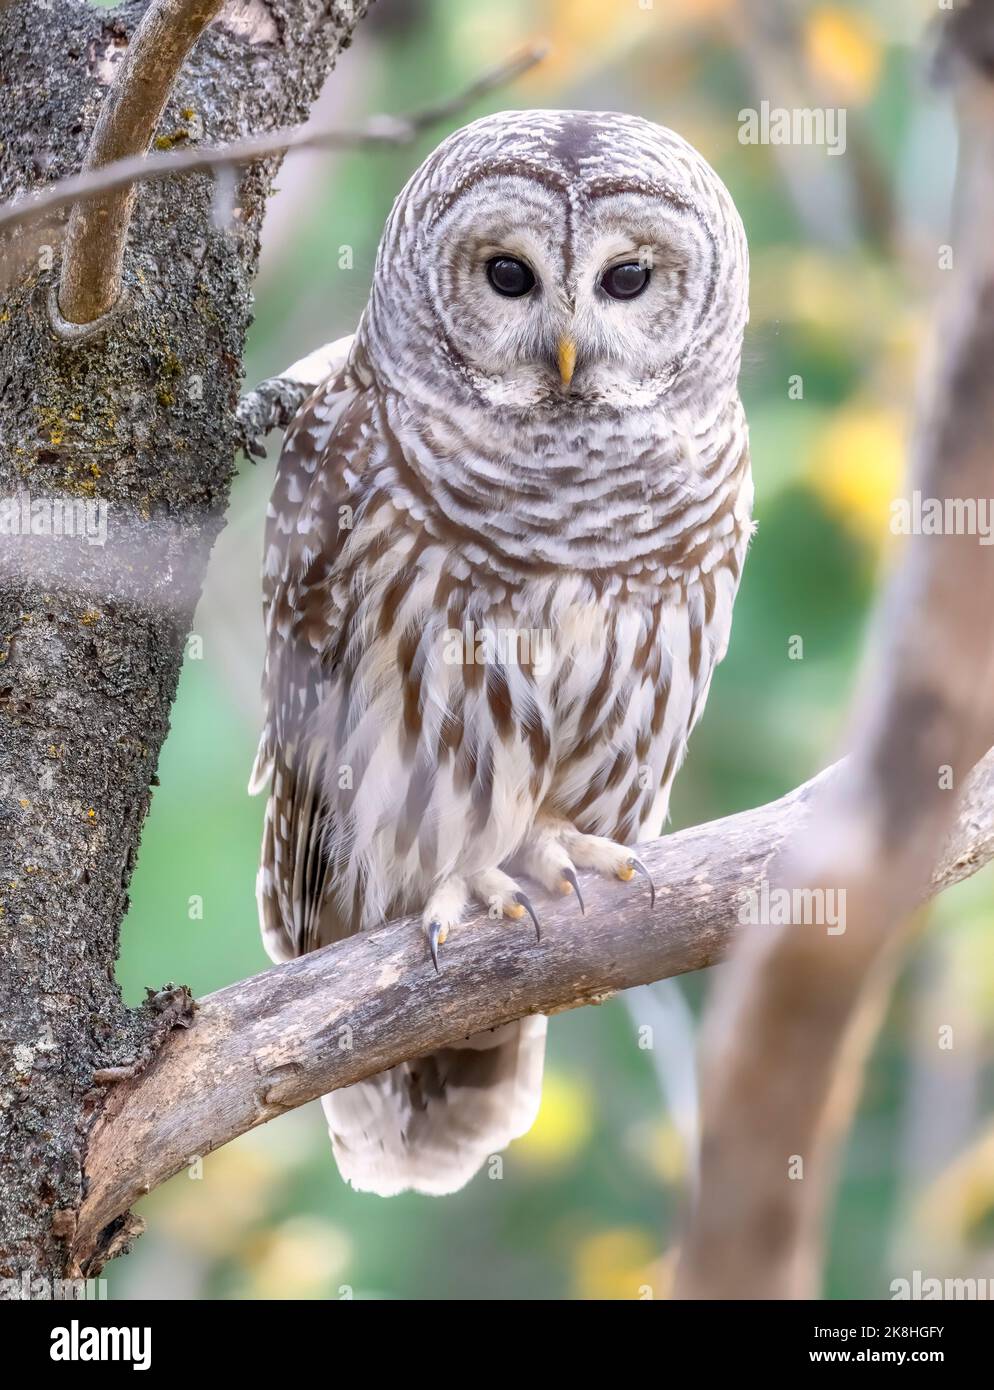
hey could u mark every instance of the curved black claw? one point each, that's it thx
(640, 868)
(522, 899)
(434, 932)
(570, 876)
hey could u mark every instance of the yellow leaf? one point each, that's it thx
(843, 51)
(563, 1125)
(211, 1204)
(858, 468)
(299, 1259)
(621, 1264)
(961, 1198)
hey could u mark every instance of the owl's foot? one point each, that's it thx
(496, 890)
(445, 907)
(558, 849)
(502, 897)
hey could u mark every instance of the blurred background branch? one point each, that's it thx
(793, 1019)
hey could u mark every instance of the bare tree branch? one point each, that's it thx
(93, 259)
(104, 183)
(837, 201)
(297, 1031)
(794, 1017)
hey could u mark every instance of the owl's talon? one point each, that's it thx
(436, 936)
(637, 867)
(557, 850)
(569, 877)
(443, 910)
(524, 903)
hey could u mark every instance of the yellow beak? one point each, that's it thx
(567, 359)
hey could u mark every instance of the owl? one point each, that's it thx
(500, 561)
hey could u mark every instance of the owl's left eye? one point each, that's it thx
(625, 281)
(509, 276)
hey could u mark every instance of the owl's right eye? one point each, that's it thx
(510, 277)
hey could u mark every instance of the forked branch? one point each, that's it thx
(102, 195)
(93, 259)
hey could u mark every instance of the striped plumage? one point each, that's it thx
(495, 596)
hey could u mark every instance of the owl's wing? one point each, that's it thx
(316, 474)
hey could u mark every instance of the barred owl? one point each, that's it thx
(535, 434)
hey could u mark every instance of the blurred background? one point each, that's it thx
(847, 263)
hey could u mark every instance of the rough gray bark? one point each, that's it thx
(91, 638)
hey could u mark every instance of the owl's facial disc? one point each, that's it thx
(551, 302)
(548, 264)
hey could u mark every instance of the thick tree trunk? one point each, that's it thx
(138, 416)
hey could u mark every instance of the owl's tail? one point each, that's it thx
(429, 1125)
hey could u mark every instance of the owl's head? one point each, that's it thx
(551, 261)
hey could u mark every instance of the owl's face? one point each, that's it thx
(545, 302)
(567, 261)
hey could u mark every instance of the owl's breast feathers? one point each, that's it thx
(449, 648)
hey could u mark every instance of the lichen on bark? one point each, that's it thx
(138, 422)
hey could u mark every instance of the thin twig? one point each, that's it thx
(380, 132)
